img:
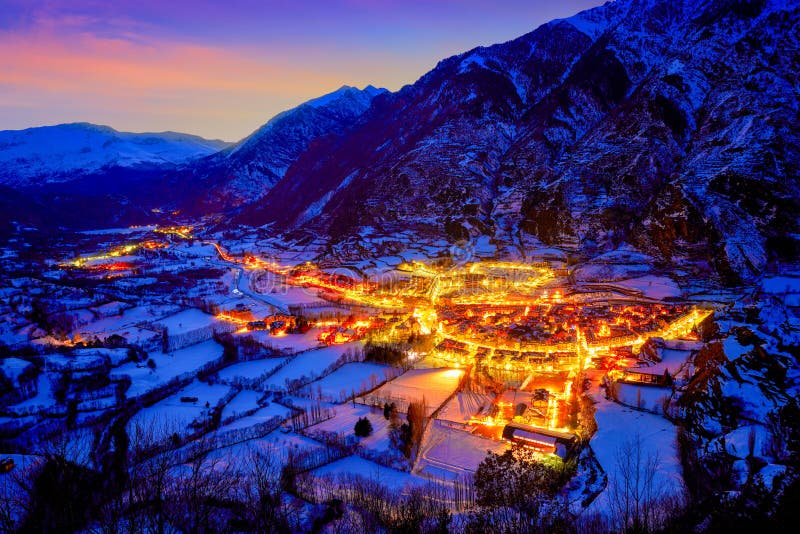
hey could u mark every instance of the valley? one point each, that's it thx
(208, 345)
(546, 285)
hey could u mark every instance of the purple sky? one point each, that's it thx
(222, 68)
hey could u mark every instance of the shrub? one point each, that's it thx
(363, 427)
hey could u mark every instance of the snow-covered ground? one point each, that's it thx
(781, 285)
(351, 378)
(174, 414)
(275, 444)
(649, 398)
(733, 349)
(309, 364)
(651, 286)
(176, 364)
(245, 401)
(610, 272)
(617, 427)
(464, 405)
(736, 442)
(262, 415)
(248, 372)
(291, 295)
(393, 479)
(187, 321)
(675, 361)
(433, 385)
(290, 343)
(41, 401)
(345, 420)
(126, 325)
(13, 367)
(449, 453)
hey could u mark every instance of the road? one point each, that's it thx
(245, 289)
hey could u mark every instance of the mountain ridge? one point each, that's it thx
(622, 136)
(59, 153)
(214, 181)
(247, 170)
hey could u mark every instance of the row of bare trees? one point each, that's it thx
(141, 486)
(144, 485)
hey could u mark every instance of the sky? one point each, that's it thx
(220, 69)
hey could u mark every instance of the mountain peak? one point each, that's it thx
(248, 170)
(345, 91)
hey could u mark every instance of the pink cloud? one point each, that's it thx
(156, 77)
(90, 62)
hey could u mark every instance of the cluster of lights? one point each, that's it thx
(184, 232)
(114, 253)
(344, 332)
(443, 300)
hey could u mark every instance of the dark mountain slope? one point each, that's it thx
(246, 171)
(666, 124)
(84, 176)
(434, 140)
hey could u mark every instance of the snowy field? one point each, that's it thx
(618, 425)
(13, 367)
(187, 321)
(624, 254)
(349, 378)
(345, 421)
(275, 445)
(39, 402)
(125, 325)
(246, 401)
(291, 295)
(305, 403)
(290, 343)
(393, 479)
(733, 349)
(251, 371)
(610, 272)
(175, 415)
(434, 385)
(449, 453)
(654, 287)
(309, 364)
(168, 367)
(262, 415)
(649, 398)
(198, 250)
(464, 405)
(674, 361)
(777, 285)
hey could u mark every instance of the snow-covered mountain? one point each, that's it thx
(666, 124)
(80, 175)
(247, 170)
(61, 153)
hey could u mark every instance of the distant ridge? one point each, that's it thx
(64, 152)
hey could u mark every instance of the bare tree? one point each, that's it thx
(417, 420)
(637, 502)
(200, 496)
(149, 480)
(263, 496)
(16, 490)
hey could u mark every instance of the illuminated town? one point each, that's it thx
(235, 343)
(519, 325)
